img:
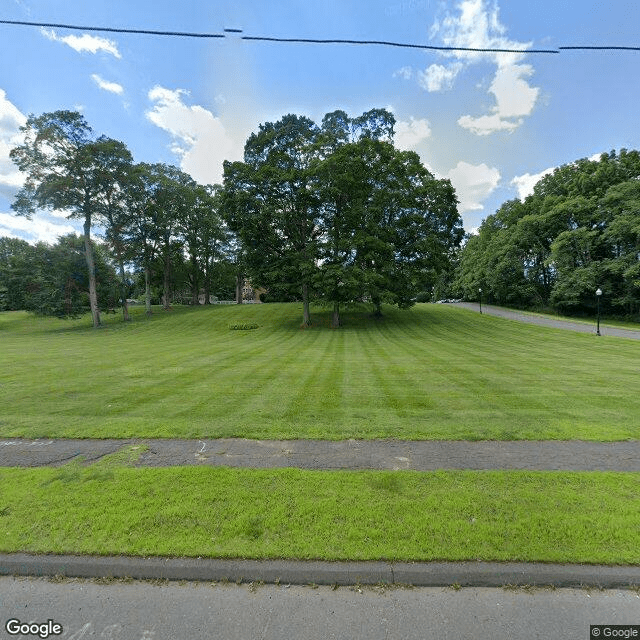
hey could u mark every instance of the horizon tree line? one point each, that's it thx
(333, 212)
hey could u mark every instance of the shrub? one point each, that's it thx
(243, 326)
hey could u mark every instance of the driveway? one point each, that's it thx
(523, 316)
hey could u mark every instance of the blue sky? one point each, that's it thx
(492, 123)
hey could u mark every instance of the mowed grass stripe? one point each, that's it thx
(290, 513)
(432, 372)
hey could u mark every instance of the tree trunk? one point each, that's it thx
(335, 316)
(239, 285)
(123, 289)
(377, 311)
(147, 290)
(306, 317)
(167, 267)
(195, 283)
(88, 252)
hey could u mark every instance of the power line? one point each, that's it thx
(187, 34)
(396, 44)
(607, 48)
(183, 34)
(386, 43)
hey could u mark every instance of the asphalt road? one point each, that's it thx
(523, 316)
(197, 611)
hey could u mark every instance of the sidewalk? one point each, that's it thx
(426, 455)
(328, 455)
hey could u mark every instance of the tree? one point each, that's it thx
(16, 263)
(200, 227)
(267, 201)
(114, 165)
(52, 280)
(61, 161)
(575, 233)
(339, 210)
(388, 224)
(158, 196)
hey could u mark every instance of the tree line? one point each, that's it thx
(331, 212)
(578, 231)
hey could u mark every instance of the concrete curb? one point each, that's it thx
(424, 574)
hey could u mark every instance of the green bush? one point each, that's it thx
(243, 326)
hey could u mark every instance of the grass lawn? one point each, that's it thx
(290, 513)
(433, 372)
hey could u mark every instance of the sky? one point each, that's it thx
(493, 123)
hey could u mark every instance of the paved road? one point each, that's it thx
(142, 611)
(346, 454)
(523, 316)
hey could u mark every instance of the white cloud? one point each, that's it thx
(478, 26)
(199, 138)
(473, 183)
(525, 183)
(112, 87)
(515, 99)
(11, 119)
(438, 77)
(409, 134)
(85, 42)
(36, 230)
(405, 72)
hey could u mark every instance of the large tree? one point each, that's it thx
(158, 197)
(62, 163)
(268, 202)
(114, 164)
(388, 224)
(340, 209)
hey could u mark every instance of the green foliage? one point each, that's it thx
(243, 326)
(578, 231)
(66, 168)
(338, 211)
(51, 280)
(423, 296)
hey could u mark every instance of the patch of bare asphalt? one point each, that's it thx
(330, 455)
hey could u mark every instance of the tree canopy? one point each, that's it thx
(338, 213)
(578, 231)
(331, 212)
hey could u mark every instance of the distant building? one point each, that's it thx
(249, 294)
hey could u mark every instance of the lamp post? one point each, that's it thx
(598, 294)
(480, 292)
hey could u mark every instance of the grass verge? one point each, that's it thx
(585, 517)
(432, 372)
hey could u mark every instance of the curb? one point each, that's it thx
(422, 574)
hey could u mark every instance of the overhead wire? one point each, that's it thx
(55, 25)
(386, 43)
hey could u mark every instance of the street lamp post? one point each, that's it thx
(598, 294)
(480, 292)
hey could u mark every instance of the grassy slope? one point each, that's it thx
(433, 372)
